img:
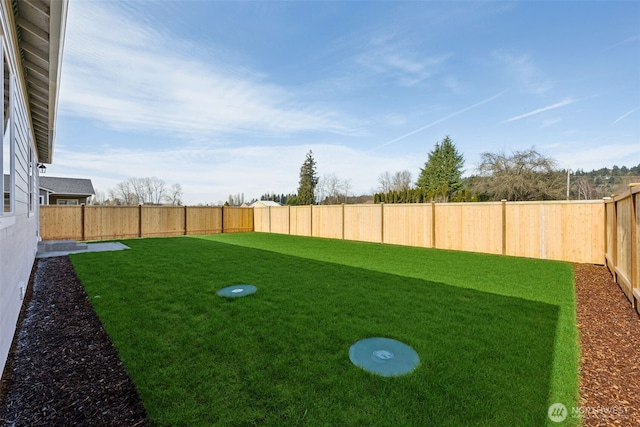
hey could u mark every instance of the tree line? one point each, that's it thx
(524, 175)
(140, 191)
(518, 176)
(603, 182)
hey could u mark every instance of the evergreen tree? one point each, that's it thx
(441, 176)
(308, 181)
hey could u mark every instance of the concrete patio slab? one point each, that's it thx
(88, 247)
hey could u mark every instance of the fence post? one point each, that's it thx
(614, 231)
(289, 219)
(139, 220)
(606, 221)
(222, 219)
(185, 220)
(269, 210)
(82, 222)
(504, 226)
(311, 220)
(634, 250)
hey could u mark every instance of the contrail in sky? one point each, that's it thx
(541, 110)
(624, 115)
(436, 122)
(630, 39)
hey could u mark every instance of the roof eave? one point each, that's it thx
(57, 25)
(64, 193)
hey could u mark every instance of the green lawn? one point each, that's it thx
(496, 335)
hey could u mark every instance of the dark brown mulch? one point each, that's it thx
(64, 370)
(610, 345)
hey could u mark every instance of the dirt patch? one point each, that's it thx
(64, 370)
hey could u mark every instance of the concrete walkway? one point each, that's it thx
(87, 247)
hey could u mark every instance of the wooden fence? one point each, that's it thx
(116, 222)
(597, 232)
(567, 230)
(622, 220)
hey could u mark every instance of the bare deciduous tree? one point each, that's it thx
(386, 182)
(150, 191)
(328, 189)
(346, 187)
(235, 200)
(124, 194)
(156, 190)
(331, 189)
(99, 198)
(174, 195)
(525, 175)
(584, 188)
(153, 191)
(399, 181)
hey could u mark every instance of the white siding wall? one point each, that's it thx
(19, 229)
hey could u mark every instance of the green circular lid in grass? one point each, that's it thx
(237, 291)
(384, 356)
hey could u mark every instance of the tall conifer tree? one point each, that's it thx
(441, 176)
(308, 181)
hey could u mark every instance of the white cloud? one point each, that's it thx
(408, 68)
(595, 155)
(454, 85)
(394, 119)
(526, 75)
(209, 175)
(129, 76)
(550, 122)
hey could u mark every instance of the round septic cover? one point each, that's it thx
(384, 356)
(236, 291)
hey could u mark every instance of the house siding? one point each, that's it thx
(18, 229)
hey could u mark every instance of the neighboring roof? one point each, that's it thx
(74, 186)
(40, 27)
(265, 203)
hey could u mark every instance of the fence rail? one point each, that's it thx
(116, 222)
(567, 231)
(622, 219)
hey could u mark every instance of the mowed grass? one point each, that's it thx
(496, 335)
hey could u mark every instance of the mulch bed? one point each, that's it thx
(64, 370)
(610, 345)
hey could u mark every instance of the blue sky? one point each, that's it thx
(228, 97)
